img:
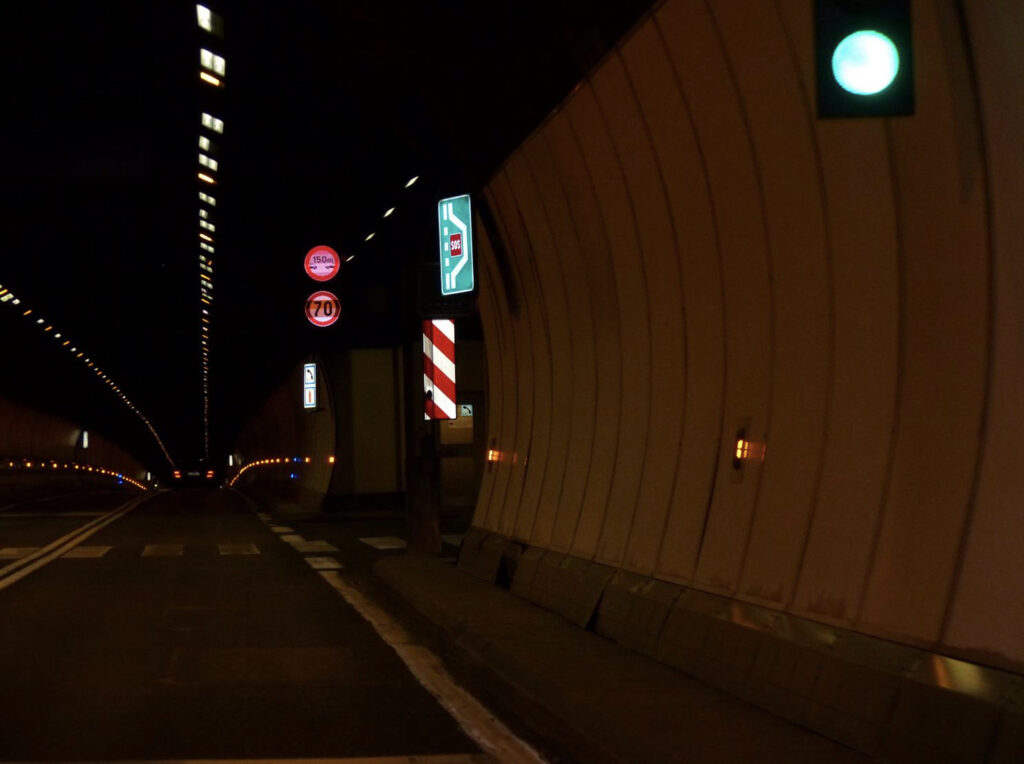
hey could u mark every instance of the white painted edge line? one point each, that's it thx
(9, 569)
(474, 719)
(443, 758)
(11, 574)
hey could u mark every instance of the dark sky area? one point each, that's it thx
(329, 108)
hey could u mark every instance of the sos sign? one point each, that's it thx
(322, 263)
(323, 308)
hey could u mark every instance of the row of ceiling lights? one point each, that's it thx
(388, 213)
(212, 69)
(8, 298)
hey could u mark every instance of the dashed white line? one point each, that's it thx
(17, 552)
(234, 549)
(385, 542)
(163, 550)
(86, 552)
(323, 563)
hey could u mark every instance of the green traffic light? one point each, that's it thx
(865, 62)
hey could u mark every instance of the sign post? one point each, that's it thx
(455, 241)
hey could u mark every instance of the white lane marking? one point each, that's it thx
(455, 758)
(291, 538)
(7, 515)
(86, 552)
(281, 529)
(17, 552)
(313, 546)
(455, 539)
(17, 570)
(385, 542)
(476, 721)
(163, 550)
(323, 563)
(230, 549)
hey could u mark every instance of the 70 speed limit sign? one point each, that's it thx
(322, 308)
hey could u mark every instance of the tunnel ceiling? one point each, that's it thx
(329, 108)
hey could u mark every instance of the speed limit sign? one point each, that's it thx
(322, 308)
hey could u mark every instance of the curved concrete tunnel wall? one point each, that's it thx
(25, 432)
(691, 252)
(282, 428)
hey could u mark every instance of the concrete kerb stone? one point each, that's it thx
(601, 700)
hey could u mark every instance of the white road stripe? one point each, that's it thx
(323, 563)
(18, 570)
(385, 542)
(476, 721)
(313, 546)
(457, 758)
(230, 549)
(86, 552)
(163, 550)
(7, 515)
(17, 552)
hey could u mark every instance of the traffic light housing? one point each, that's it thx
(864, 58)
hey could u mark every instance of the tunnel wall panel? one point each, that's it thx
(704, 73)
(28, 433)
(940, 205)
(492, 328)
(862, 226)
(786, 155)
(698, 255)
(594, 422)
(502, 400)
(630, 282)
(664, 294)
(577, 343)
(553, 370)
(682, 170)
(519, 387)
(986, 618)
(535, 379)
(608, 329)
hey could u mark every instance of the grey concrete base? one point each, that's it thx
(881, 698)
(598, 701)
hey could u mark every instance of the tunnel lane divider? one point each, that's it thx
(18, 569)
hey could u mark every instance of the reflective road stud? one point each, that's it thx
(455, 240)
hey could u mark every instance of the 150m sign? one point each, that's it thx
(323, 308)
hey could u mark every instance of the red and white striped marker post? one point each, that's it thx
(439, 369)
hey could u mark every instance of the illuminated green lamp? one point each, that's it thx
(865, 63)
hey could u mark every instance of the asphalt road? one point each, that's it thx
(192, 628)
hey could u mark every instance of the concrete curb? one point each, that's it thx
(597, 701)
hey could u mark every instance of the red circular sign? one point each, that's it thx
(322, 308)
(322, 263)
